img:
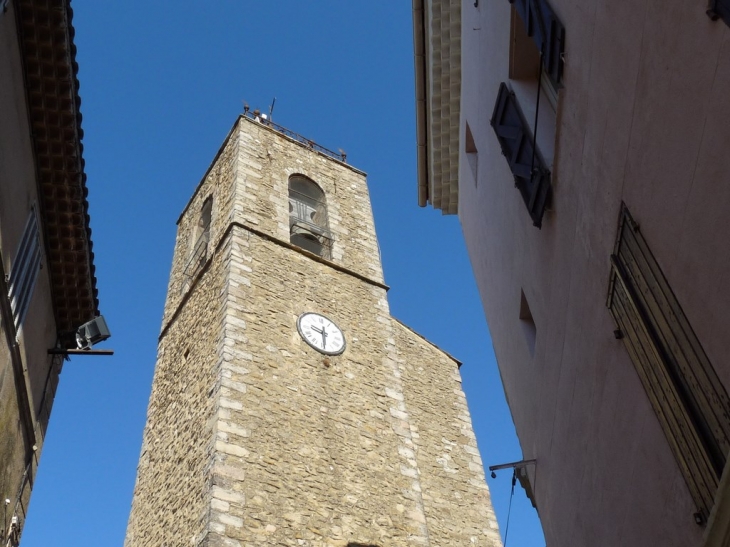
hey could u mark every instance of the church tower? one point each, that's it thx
(288, 407)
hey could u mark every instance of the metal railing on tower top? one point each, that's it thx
(264, 120)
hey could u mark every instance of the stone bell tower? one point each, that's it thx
(288, 407)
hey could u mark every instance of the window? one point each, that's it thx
(472, 155)
(532, 79)
(24, 270)
(308, 222)
(540, 23)
(524, 116)
(690, 402)
(525, 66)
(199, 252)
(528, 324)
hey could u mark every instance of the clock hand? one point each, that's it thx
(324, 337)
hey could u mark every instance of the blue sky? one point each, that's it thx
(161, 84)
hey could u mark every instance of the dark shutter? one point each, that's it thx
(720, 9)
(545, 28)
(692, 405)
(515, 138)
(25, 269)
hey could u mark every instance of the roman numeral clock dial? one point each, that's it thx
(321, 333)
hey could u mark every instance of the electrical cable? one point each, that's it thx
(509, 509)
(543, 38)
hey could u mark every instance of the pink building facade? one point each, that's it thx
(600, 245)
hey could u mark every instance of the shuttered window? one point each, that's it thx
(544, 27)
(720, 9)
(532, 177)
(24, 270)
(685, 392)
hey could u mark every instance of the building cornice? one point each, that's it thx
(45, 35)
(437, 58)
(223, 239)
(419, 56)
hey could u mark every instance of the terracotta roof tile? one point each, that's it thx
(46, 42)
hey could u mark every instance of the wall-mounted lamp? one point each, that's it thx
(91, 333)
(512, 465)
(88, 334)
(519, 474)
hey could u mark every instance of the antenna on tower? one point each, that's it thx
(271, 109)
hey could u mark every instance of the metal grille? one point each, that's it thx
(341, 156)
(197, 259)
(308, 224)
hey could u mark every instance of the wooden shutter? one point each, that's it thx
(685, 392)
(721, 9)
(515, 139)
(544, 27)
(24, 270)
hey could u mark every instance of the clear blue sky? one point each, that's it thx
(162, 81)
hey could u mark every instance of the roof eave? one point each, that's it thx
(437, 101)
(419, 49)
(45, 35)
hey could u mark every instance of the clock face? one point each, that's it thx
(321, 333)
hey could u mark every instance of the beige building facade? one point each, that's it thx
(47, 281)
(288, 407)
(592, 187)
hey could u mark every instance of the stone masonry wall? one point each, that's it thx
(456, 498)
(266, 160)
(310, 450)
(172, 491)
(217, 184)
(171, 495)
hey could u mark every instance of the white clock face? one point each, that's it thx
(321, 333)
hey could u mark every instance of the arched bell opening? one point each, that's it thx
(308, 221)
